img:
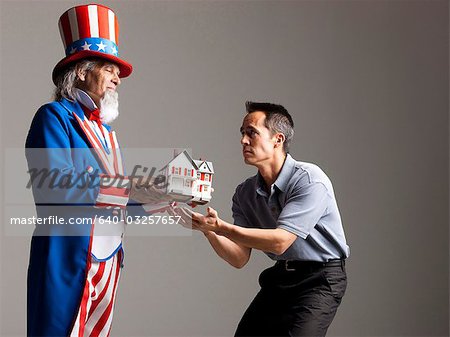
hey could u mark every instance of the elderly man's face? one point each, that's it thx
(100, 79)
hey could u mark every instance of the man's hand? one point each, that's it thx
(210, 222)
(186, 216)
(193, 220)
(147, 193)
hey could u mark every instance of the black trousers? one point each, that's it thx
(300, 302)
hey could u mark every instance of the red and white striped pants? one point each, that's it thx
(95, 314)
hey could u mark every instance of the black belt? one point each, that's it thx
(292, 265)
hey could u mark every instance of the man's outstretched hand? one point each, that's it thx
(210, 222)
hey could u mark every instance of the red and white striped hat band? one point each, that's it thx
(90, 31)
(91, 27)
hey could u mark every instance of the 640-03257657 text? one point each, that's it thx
(142, 220)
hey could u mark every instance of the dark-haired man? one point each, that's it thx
(287, 210)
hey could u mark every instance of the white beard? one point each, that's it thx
(109, 106)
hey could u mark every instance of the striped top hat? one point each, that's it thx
(90, 31)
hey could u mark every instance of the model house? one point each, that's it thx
(189, 179)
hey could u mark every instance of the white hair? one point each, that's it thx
(67, 79)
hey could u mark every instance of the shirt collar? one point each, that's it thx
(282, 179)
(285, 173)
(83, 98)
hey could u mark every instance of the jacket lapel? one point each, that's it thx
(103, 158)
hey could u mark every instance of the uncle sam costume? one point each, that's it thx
(74, 270)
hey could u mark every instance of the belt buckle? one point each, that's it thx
(286, 266)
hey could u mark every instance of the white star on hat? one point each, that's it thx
(86, 46)
(114, 50)
(101, 46)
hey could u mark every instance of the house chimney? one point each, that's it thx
(176, 152)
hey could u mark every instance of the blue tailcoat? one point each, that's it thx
(59, 254)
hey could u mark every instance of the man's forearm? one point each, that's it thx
(228, 250)
(274, 241)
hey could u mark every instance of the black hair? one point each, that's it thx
(278, 119)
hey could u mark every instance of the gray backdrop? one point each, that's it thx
(367, 85)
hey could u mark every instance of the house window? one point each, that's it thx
(206, 188)
(187, 184)
(206, 177)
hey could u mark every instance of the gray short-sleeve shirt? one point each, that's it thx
(302, 202)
